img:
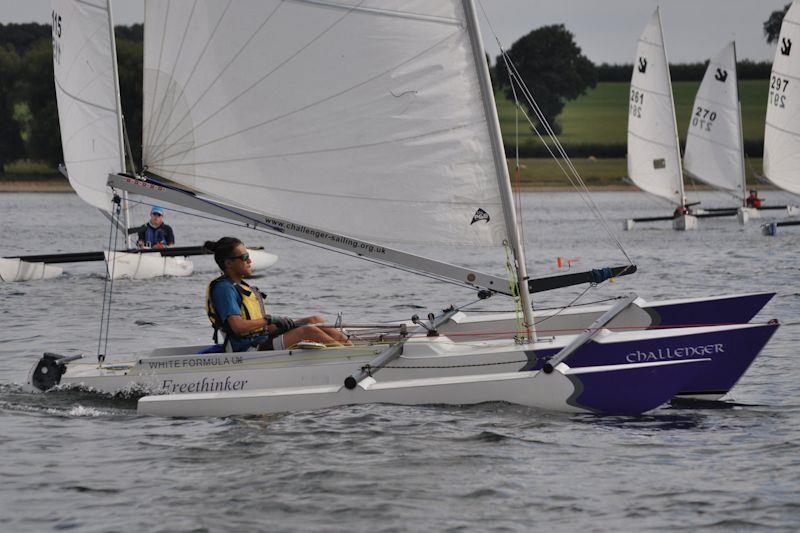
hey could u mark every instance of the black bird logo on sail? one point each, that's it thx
(721, 75)
(480, 214)
(786, 46)
(642, 65)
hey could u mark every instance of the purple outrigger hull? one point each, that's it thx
(728, 354)
(728, 310)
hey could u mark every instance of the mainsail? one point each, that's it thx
(714, 141)
(87, 91)
(362, 117)
(654, 163)
(782, 133)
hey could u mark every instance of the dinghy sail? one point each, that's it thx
(782, 130)
(384, 146)
(87, 92)
(654, 161)
(714, 148)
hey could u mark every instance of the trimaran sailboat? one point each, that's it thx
(285, 116)
(90, 118)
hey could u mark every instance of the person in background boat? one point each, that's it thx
(238, 309)
(154, 234)
(753, 200)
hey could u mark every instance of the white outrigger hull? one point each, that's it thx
(127, 265)
(18, 270)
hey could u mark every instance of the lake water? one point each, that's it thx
(71, 460)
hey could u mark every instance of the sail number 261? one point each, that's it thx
(777, 91)
(637, 101)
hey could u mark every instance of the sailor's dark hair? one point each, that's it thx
(223, 249)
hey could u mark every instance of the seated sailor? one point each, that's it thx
(238, 309)
(154, 234)
(753, 200)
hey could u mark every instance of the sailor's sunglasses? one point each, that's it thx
(156, 215)
(243, 258)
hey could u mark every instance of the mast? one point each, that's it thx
(741, 128)
(501, 166)
(120, 139)
(672, 103)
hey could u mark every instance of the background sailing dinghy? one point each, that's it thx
(782, 130)
(396, 119)
(90, 119)
(714, 143)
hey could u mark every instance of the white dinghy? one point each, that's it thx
(714, 142)
(654, 158)
(782, 130)
(386, 115)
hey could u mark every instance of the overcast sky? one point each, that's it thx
(606, 29)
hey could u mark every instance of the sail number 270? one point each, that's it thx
(703, 118)
(637, 101)
(777, 91)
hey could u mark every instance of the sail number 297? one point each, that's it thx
(777, 91)
(56, 37)
(637, 101)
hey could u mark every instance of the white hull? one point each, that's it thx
(685, 223)
(18, 270)
(123, 265)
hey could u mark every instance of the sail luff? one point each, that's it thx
(741, 126)
(501, 167)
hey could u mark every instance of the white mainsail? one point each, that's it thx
(360, 117)
(714, 141)
(782, 132)
(87, 91)
(654, 163)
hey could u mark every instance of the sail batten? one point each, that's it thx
(653, 154)
(356, 116)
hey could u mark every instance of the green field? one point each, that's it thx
(601, 115)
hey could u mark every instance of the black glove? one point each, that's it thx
(283, 323)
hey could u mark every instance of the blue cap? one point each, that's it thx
(157, 209)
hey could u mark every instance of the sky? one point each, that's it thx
(606, 30)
